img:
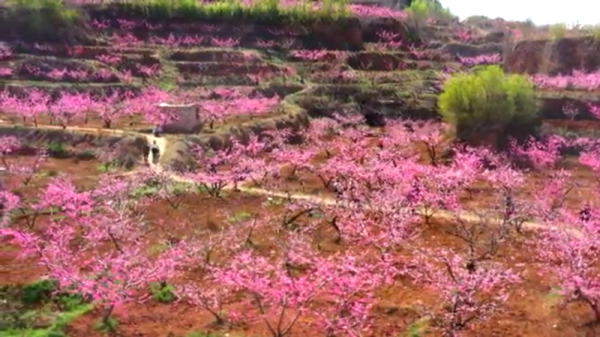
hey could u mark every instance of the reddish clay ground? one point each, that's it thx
(93, 121)
(574, 124)
(532, 310)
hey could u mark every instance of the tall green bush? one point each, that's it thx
(558, 31)
(420, 10)
(261, 10)
(44, 19)
(488, 102)
(55, 21)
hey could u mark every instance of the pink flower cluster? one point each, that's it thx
(6, 72)
(577, 81)
(376, 12)
(70, 108)
(318, 55)
(81, 75)
(5, 53)
(481, 60)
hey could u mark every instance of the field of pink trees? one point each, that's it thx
(335, 230)
(576, 81)
(126, 110)
(398, 238)
(129, 55)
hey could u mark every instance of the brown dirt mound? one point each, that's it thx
(554, 57)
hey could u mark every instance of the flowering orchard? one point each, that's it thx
(577, 81)
(36, 107)
(142, 52)
(337, 230)
(322, 264)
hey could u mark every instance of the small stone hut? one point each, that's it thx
(187, 118)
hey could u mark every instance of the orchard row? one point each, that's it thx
(71, 109)
(127, 70)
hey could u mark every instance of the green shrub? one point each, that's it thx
(38, 292)
(558, 31)
(595, 31)
(86, 155)
(47, 11)
(421, 10)
(487, 102)
(70, 302)
(57, 150)
(108, 325)
(44, 19)
(162, 292)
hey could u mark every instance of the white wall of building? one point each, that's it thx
(188, 118)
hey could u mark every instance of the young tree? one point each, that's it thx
(113, 106)
(208, 260)
(349, 292)
(110, 263)
(571, 249)
(541, 155)
(217, 169)
(147, 104)
(278, 295)
(431, 136)
(68, 107)
(466, 295)
(33, 104)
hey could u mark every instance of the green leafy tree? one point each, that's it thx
(487, 102)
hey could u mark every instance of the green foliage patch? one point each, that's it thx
(262, 10)
(487, 101)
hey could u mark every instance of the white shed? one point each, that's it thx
(187, 118)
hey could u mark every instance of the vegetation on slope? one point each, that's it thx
(487, 101)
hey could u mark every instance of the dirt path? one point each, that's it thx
(162, 143)
(74, 129)
(328, 201)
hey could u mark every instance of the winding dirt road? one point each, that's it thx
(162, 144)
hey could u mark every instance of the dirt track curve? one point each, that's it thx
(327, 201)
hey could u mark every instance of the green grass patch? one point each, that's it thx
(61, 320)
(37, 309)
(418, 328)
(239, 217)
(46, 12)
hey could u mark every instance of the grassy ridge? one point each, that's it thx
(260, 10)
(52, 20)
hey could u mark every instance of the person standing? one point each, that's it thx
(156, 131)
(155, 150)
(3, 187)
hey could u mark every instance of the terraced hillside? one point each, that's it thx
(375, 62)
(324, 67)
(370, 64)
(289, 223)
